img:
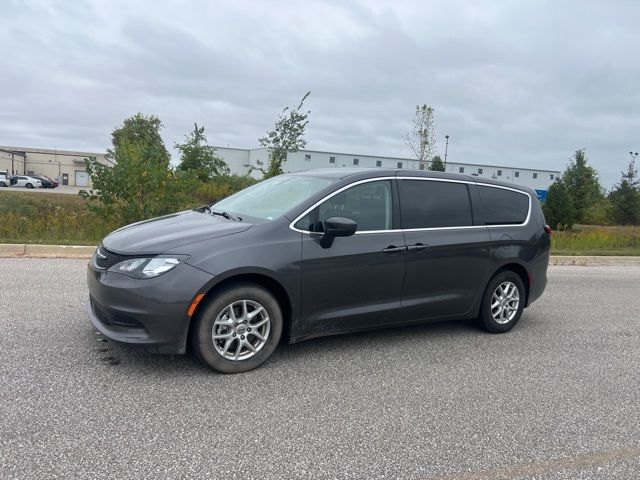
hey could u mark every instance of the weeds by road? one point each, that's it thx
(49, 218)
(66, 219)
(597, 240)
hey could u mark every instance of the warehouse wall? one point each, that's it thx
(6, 163)
(537, 179)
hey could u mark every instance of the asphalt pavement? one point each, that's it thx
(556, 398)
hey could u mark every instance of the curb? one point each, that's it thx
(45, 251)
(593, 260)
(21, 250)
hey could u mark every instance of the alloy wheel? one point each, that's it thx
(241, 329)
(505, 302)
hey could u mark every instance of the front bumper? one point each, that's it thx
(148, 312)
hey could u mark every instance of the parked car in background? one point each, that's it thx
(46, 182)
(27, 181)
(5, 180)
(318, 253)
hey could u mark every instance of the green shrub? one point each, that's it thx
(221, 187)
(30, 217)
(599, 213)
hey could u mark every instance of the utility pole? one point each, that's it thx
(446, 149)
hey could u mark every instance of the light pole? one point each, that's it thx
(446, 149)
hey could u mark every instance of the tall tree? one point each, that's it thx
(582, 184)
(198, 157)
(287, 136)
(558, 209)
(140, 130)
(436, 165)
(421, 137)
(625, 197)
(141, 183)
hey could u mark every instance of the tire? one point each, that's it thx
(218, 309)
(29, 185)
(3, 184)
(506, 314)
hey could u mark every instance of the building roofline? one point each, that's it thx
(505, 166)
(237, 148)
(407, 159)
(14, 152)
(72, 153)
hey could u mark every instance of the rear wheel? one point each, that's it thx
(502, 303)
(3, 184)
(238, 329)
(29, 185)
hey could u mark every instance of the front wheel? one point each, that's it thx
(238, 329)
(3, 184)
(29, 185)
(502, 303)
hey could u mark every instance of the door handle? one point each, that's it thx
(418, 247)
(394, 249)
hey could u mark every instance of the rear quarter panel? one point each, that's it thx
(526, 245)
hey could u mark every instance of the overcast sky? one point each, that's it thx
(512, 82)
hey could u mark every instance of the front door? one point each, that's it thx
(357, 281)
(447, 255)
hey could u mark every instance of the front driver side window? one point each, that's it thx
(368, 204)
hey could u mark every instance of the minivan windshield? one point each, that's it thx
(271, 198)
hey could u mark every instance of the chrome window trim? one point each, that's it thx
(359, 182)
(526, 220)
(397, 230)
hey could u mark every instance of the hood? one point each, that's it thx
(172, 231)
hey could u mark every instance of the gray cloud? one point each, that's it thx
(512, 82)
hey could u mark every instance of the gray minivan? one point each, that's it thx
(319, 253)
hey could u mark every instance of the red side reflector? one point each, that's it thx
(547, 229)
(194, 304)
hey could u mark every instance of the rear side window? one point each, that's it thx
(503, 207)
(432, 204)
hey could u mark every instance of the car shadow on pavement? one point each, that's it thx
(354, 345)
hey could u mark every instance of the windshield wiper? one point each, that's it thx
(208, 209)
(224, 214)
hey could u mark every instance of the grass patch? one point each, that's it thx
(49, 218)
(597, 240)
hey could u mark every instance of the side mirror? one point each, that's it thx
(337, 227)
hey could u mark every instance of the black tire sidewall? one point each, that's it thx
(203, 343)
(488, 322)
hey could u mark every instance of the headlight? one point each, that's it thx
(147, 267)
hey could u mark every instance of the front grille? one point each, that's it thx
(112, 318)
(106, 259)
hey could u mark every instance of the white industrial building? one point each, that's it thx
(241, 160)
